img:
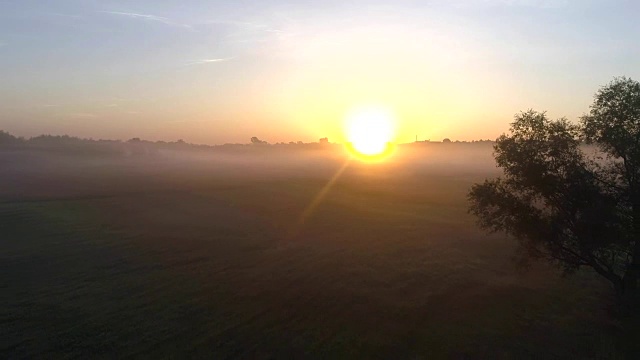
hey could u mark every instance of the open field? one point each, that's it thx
(224, 257)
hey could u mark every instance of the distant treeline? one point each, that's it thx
(140, 147)
(134, 146)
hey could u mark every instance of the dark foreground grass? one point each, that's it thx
(385, 267)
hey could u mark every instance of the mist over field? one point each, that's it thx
(255, 252)
(278, 179)
(51, 173)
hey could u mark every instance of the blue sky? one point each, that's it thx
(223, 71)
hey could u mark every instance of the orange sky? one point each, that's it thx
(213, 72)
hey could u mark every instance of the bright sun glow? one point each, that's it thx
(370, 130)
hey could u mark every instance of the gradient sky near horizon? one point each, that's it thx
(223, 71)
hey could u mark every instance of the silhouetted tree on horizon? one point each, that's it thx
(256, 141)
(563, 205)
(6, 138)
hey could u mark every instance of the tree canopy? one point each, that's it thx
(256, 141)
(573, 204)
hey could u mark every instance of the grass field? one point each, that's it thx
(214, 259)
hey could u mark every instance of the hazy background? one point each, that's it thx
(222, 71)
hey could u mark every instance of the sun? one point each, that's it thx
(370, 131)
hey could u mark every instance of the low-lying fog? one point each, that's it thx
(54, 174)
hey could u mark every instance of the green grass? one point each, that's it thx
(386, 267)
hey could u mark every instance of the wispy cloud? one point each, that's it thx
(148, 17)
(514, 3)
(208, 61)
(244, 31)
(234, 23)
(244, 26)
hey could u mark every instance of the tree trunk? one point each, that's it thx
(629, 286)
(632, 273)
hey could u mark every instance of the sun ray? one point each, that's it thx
(308, 211)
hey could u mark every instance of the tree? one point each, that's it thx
(256, 141)
(324, 141)
(446, 140)
(6, 138)
(565, 205)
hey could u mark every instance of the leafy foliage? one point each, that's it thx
(560, 202)
(6, 138)
(256, 141)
